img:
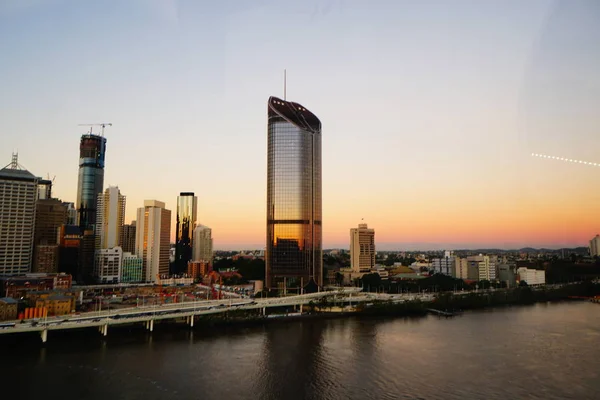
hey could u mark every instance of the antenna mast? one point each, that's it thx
(284, 85)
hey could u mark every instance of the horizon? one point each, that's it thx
(454, 105)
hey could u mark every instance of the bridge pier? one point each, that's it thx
(105, 330)
(44, 335)
(151, 325)
(264, 310)
(191, 321)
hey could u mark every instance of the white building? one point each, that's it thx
(532, 276)
(444, 265)
(152, 239)
(107, 266)
(383, 273)
(595, 246)
(110, 218)
(362, 249)
(18, 197)
(202, 249)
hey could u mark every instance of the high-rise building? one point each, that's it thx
(362, 249)
(90, 183)
(18, 196)
(486, 266)
(110, 217)
(445, 265)
(185, 224)
(107, 265)
(50, 215)
(294, 215)
(152, 239)
(127, 241)
(595, 246)
(461, 268)
(203, 244)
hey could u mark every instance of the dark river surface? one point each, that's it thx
(545, 351)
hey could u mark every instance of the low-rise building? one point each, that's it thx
(8, 309)
(131, 268)
(444, 266)
(198, 269)
(532, 276)
(17, 286)
(56, 304)
(381, 271)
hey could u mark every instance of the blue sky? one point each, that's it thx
(430, 109)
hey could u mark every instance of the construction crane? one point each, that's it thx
(102, 125)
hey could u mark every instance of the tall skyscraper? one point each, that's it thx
(185, 224)
(128, 238)
(294, 215)
(362, 249)
(18, 196)
(152, 239)
(203, 244)
(110, 217)
(91, 178)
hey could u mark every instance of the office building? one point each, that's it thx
(110, 216)
(184, 226)
(294, 215)
(506, 273)
(362, 249)
(90, 183)
(461, 268)
(152, 239)
(531, 276)
(131, 268)
(50, 215)
(595, 246)
(203, 244)
(107, 266)
(18, 196)
(69, 245)
(127, 241)
(198, 269)
(486, 266)
(445, 265)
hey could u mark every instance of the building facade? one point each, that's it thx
(131, 268)
(50, 215)
(110, 217)
(362, 249)
(152, 240)
(107, 265)
(294, 214)
(127, 241)
(18, 197)
(203, 244)
(532, 276)
(198, 269)
(445, 265)
(184, 226)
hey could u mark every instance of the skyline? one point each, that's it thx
(451, 105)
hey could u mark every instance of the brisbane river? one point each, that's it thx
(544, 351)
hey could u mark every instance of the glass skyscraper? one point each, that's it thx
(91, 178)
(294, 232)
(185, 224)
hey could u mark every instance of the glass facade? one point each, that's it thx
(294, 232)
(185, 224)
(91, 178)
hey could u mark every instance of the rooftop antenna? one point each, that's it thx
(284, 84)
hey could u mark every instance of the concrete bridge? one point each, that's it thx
(149, 314)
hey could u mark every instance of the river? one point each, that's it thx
(545, 351)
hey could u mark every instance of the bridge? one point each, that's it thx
(149, 314)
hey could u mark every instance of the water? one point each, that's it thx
(546, 351)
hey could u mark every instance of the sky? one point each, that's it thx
(430, 110)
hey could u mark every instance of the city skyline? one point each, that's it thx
(442, 146)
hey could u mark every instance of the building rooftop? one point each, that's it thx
(294, 113)
(8, 300)
(14, 171)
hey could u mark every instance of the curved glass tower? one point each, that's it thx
(185, 224)
(91, 178)
(294, 233)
